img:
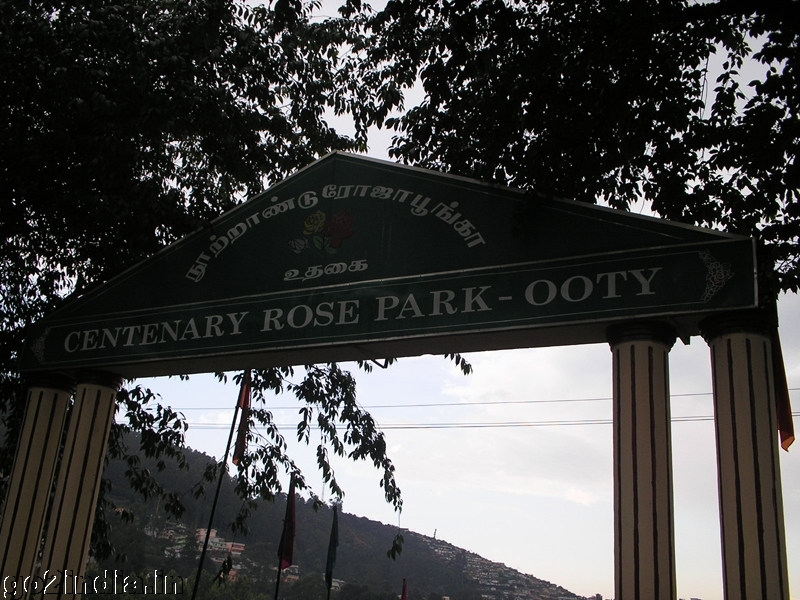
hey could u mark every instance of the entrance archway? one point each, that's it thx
(353, 258)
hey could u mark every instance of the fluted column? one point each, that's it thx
(70, 525)
(644, 548)
(750, 500)
(32, 474)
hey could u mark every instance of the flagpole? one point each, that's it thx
(214, 507)
(216, 495)
(333, 543)
(278, 583)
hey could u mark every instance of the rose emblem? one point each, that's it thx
(314, 223)
(323, 232)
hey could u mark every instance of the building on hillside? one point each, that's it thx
(201, 534)
(235, 548)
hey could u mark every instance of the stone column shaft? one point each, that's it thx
(32, 475)
(70, 526)
(644, 549)
(750, 499)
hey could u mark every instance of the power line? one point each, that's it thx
(484, 424)
(426, 405)
(437, 404)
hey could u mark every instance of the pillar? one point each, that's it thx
(644, 548)
(748, 469)
(32, 474)
(70, 526)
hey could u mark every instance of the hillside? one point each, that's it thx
(432, 567)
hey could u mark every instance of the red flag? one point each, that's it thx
(405, 591)
(783, 405)
(244, 405)
(286, 547)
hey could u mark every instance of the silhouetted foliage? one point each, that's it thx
(612, 100)
(125, 125)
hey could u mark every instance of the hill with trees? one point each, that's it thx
(146, 538)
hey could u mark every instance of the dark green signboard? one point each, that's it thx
(357, 258)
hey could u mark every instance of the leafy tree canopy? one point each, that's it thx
(608, 100)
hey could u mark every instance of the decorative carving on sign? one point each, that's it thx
(38, 346)
(718, 274)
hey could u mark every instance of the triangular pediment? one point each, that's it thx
(348, 230)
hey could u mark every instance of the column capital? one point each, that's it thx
(103, 378)
(56, 380)
(635, 331)
(759, 321)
